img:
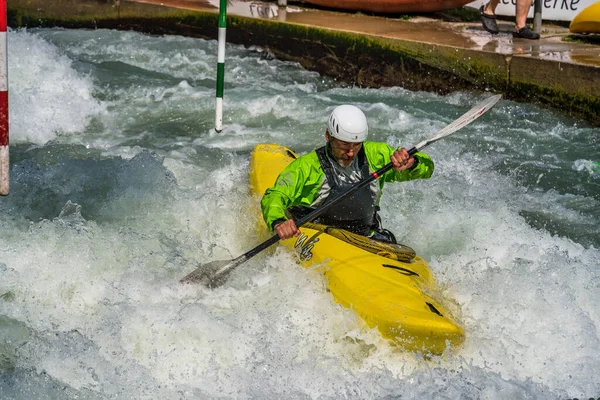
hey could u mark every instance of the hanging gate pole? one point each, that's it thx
(537, 16)
(4, 165)
(220, 65)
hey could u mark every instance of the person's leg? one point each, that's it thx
(521, 11)
(490, 8)
(521, 28)
(488, 17)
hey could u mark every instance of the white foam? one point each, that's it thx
(101, 298)
(47, 97)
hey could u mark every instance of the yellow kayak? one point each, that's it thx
(587, 21)
(386, 285)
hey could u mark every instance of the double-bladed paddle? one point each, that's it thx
(215, 273)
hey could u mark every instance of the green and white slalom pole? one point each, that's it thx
(220, 65)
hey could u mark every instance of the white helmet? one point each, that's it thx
(348, 123)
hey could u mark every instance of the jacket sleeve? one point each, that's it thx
(296, 185)
(379, 154)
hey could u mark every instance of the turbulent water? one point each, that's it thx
(120, 186)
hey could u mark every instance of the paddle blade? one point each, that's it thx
(212, 274)
(464, 120)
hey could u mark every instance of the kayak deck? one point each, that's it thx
(385, 292)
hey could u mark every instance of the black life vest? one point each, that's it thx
(356, 212)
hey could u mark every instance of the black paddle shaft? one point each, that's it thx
(318, 211)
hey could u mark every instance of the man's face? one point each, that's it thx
(343, 152)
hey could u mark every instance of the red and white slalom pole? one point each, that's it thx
(4, 165)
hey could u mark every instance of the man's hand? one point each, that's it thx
(287, 229)
(401, 160)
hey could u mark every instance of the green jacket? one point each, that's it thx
(300, 183)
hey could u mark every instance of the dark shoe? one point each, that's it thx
(526, 33)
(488, 21)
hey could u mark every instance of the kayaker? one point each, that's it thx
(345, 160)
